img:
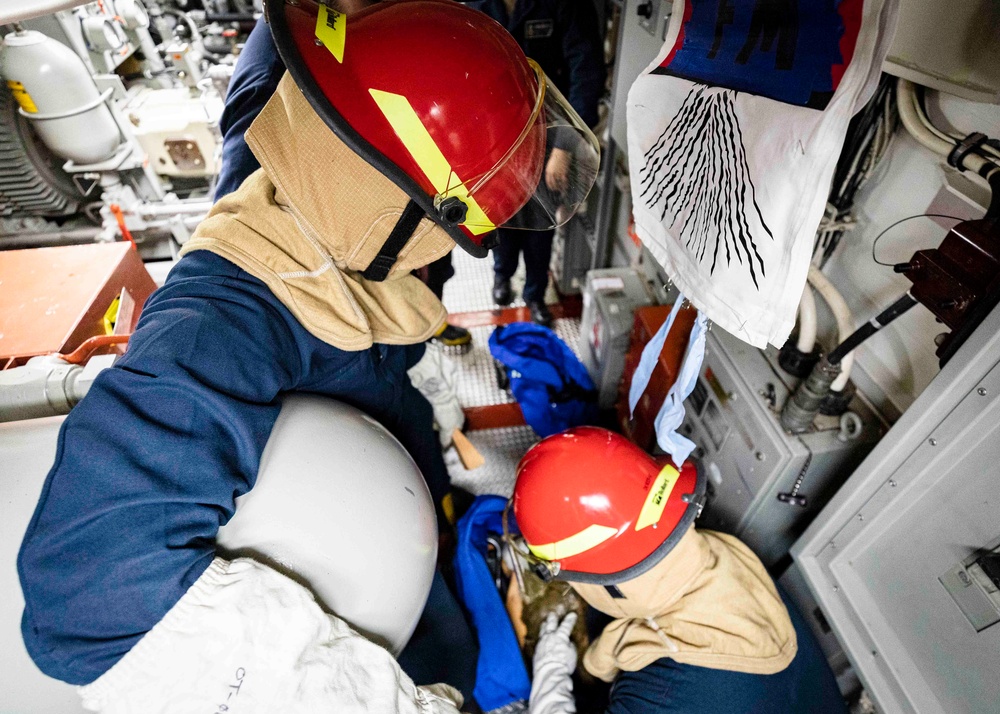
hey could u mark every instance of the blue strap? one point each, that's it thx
(672, 412)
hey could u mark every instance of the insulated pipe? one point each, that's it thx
(844, 318)
(807, 322)
(936, 140)
(180, 208)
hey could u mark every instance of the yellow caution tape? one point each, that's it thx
(111, 316)
(331, 30)
(656, 499)
(22, 97)
(590, 537)
(418, 141)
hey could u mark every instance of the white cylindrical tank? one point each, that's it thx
(341, 507)
(56, 92)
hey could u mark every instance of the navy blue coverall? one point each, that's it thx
(150, 463)
(563, 37)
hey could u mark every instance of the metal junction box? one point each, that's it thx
(905, 560)
(610, 297)
(749, 459)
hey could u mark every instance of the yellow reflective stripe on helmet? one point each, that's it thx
(418, 141)
(331, 30)
(588, 538)
(656, 499)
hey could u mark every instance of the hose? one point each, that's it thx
(845, 321)
(807, 322)
(871, 327)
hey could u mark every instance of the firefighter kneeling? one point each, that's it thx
(699, 625)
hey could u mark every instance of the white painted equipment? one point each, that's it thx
(57, 94)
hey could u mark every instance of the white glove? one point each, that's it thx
(245, 639)
(434, 377)
(554, 663)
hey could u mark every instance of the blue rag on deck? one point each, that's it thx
(551, 385)
(501, 677)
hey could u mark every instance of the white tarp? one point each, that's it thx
(734, 132)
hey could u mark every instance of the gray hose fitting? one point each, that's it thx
(802, 407)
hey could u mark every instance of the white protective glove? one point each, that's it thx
(554, 663)
(245, 639)
(434, 377)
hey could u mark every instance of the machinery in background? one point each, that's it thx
(639, 427)
(61, 305)
(764, 484)
(610, 298)
(109, 120)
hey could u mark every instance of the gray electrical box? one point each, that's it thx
(610, 297)
(733, 417)
(903, 560)
(571, 254)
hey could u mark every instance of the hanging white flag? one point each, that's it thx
(734, 132)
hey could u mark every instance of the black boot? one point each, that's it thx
(502, 293)
(453, 336)
(540, 313)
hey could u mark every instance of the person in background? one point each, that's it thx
(298, 281)
(564, 38)
(257, 74)
(699, 627)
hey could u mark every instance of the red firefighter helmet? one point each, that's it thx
(596, 508)
(441, 99)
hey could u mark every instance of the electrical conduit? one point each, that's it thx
(842, 314)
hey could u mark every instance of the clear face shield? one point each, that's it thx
(554, 162)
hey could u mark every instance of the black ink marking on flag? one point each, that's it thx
(697, 173)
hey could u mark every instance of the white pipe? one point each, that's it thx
(923, 131)
(807, 321)
(179, 208)
(843, 316)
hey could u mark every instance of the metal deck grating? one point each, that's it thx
(476, 377)
(502, 449)
(471, 290)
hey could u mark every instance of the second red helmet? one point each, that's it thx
(599, 509)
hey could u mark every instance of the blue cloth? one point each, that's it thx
(806, 686)
(501, 677)
(671, 413)
(550, 384)
(149, 464)
(789, 50)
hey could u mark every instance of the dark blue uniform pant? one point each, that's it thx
(806, 686)
(537, 249)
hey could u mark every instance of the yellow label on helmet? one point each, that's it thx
(22, 97)
(331, 30)
(656, 499)
(590, 537)
(418, 141)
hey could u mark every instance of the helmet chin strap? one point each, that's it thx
(378, 269)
